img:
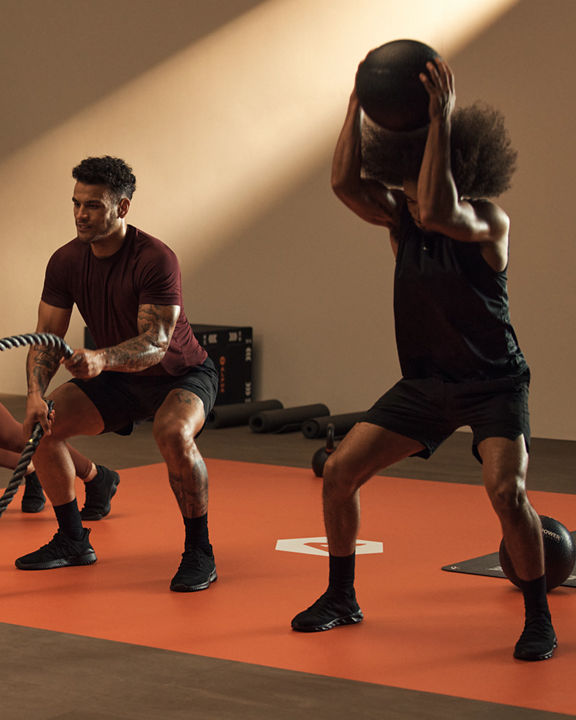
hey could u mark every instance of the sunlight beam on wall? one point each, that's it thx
(224, 127)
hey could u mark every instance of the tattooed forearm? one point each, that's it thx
(42, 364)
(155, 324)
(133, 355)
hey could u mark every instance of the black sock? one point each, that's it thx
(197, 533)
(341, 577)
(535, 599)
(69, 520)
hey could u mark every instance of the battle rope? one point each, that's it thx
(7, 343)
(22, 466)
(47, 339)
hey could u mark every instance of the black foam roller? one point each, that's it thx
(234, 414)
(286, 420)
(318, 427)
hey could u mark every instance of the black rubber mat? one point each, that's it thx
(489, 565)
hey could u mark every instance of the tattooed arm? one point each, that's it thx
(156, 324)
(42, 364)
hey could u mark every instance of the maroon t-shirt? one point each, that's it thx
(108, 291)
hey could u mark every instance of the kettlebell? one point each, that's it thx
(321, 455)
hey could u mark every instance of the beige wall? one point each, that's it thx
(229, 116)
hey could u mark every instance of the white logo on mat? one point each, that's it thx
(319, 546)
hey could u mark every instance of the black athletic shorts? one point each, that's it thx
(123, 399)
(429, 410)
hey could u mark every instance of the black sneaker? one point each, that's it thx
(61, 551)
(33, 499)
(99, 493)
(538, 640)
(329, 611)
(197, 570)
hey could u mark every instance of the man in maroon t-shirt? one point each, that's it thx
(148, 364)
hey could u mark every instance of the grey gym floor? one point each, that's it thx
(55, 676)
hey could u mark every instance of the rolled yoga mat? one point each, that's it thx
(234, 414)
(286, 420)
(317, 427)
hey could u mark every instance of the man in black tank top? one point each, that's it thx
(460, 359)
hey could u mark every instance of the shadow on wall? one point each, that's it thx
(317, 288)
(46, 73)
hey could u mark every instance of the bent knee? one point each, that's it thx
(339, 475)
(173, 438)
(508, 495)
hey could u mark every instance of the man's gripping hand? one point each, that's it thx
(85, 364)
(37, 411)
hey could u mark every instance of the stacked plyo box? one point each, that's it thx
(230, 349)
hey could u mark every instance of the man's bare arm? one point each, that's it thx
(42, 364)
(369, 199)
(441, 209)
(156, 325)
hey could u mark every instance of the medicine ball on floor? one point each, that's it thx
(559, 554)
(389, 87)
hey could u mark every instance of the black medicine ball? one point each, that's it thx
(559, 554)
(389, 87)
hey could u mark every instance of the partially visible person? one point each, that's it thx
(100, 482)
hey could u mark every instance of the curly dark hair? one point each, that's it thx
(482, 158)
(109, 171)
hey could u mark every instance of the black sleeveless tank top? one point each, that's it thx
(451, 310)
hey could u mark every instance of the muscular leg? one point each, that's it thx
(11, 434)
(178, 420)
(74, 414)
(504, 466)
(364, 451)
(11, 445)
(505, 463)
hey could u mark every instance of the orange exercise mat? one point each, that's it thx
(424, 629)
